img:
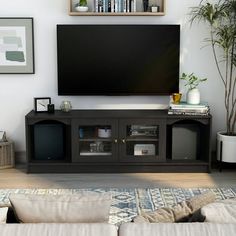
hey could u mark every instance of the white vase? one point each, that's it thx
(81, 8)
(228, 147)
(193, 96)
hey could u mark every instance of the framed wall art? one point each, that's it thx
(16, 46)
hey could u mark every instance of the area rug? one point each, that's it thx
(127, 203)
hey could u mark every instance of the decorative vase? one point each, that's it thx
(193, 96)
(81, 8)
(226, 147)
(66, 106)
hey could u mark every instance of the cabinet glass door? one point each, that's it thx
(96, 140)
(140, 140)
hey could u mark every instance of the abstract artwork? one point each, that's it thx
(16, 46)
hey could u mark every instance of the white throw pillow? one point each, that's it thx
(80, 208)
(3, 215)
(220, 212)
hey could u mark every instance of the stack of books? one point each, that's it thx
(189, 109)
(115, 5)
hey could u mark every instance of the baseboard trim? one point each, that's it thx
(20, 157)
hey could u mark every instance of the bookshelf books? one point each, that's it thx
(188, 109)
(115, 5)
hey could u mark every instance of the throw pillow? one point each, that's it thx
(183, 212)
(80, 208)
(220, 212)
(3, 215)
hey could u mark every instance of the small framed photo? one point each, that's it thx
(16, 45)
(3, 136)
(41, 104)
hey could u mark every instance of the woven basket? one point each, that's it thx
(7, 159)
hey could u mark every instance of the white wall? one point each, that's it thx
(17, 91)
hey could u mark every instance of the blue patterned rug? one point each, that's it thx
(127, 203)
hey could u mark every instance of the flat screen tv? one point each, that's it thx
(118, 59)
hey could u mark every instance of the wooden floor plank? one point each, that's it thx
(18, 178)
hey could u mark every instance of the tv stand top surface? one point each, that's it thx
(105, 113)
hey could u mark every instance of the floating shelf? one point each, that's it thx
(139, 12)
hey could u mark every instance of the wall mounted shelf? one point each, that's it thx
(139, 9)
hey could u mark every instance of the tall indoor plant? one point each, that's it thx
(221, 19)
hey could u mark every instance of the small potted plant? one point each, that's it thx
(192, 81)
(81, 6)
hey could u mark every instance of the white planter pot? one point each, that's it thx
(193, 96)
(81, 8)
(228, 147)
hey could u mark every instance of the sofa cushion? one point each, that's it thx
(182, 212)
(177, 229)
(79, 208)
(3, 215)
(220, 212)
(52, 229)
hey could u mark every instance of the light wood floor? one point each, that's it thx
(17, 178)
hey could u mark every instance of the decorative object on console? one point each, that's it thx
(17, 49)
(176, 98)
(192, 81)
(184, 108)
(41, 104)
(51, 108)
(66, 106)
(221, 19)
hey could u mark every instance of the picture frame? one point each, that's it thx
(16, 45)
(41, 104)
(3, 136)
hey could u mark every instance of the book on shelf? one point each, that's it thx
(115, 5)
(173, 112)
(189, 109)
(183, 105)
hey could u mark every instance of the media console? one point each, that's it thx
(108, 141)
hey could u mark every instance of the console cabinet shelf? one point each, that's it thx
(161, 4)
(101, 141)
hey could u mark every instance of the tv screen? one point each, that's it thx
(118, 59)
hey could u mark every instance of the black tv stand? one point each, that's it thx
(108, 141)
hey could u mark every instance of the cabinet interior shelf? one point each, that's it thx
(148, 139)
(139, 12)
(95, 153)
(95, 139)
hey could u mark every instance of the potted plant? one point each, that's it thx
(82, 6)
(192, 81)
(221, 19)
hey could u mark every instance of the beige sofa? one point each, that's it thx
(54, 229)
(126, 229)
(177, 229)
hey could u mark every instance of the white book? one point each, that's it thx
(135, 5)
(112, 5)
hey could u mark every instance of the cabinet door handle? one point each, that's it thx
(115, 141)
(123, 140)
